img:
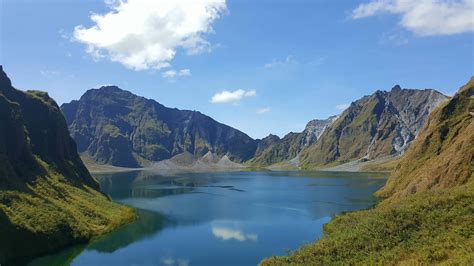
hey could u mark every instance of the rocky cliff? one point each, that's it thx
(443, 154)
(382, 124)
(116, 127)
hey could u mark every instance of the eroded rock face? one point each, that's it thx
(119, 128)
(381, 124)
(273, 150)
(442, 155)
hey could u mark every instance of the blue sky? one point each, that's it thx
(282, 63)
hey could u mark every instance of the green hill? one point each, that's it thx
(48, 199)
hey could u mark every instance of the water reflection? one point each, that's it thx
(225, 233)
(227, 218)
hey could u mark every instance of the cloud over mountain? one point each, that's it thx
(232, 96)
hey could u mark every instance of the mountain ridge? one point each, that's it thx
(146, 130)
(377, 125)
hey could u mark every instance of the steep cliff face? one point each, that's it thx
(32, 129)
(48, 199)
(442, 156)
(378, 125)
(273, 150)
(119, 128)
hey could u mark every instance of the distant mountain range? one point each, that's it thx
(113, 126)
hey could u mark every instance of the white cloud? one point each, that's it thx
(232, 96)
(424, 17)
(184, 72)
(229, 234)
(342, 106)
(171, 74)
(264, 110)
(144, 34)
(289, 60)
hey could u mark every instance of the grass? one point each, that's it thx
(50, 213)
(381, 166)
(427, 228)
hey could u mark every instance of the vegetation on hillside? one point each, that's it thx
(443, 155)
(48, 199)
(427, 228)
(428, 216)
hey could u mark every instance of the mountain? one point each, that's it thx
(48, 199)
(443, 154)
(272, 149)
(427, 216)
(116, 127)
(375, 126)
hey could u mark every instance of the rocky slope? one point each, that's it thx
(443, 154)
(272, 149)
(48, 199)
(375, 126)
(116, 127)
(427, 217)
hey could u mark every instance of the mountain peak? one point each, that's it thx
(4, 80)
(396, 88)
(110, 87)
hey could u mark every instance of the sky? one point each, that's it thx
(261, 66)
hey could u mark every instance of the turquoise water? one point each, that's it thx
(220, 218)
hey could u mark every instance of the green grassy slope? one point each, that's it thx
(428, 217)
(48, 199)
(431, 227)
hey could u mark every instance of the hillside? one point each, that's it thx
(375, 126)
(116, 127)
(272, 150)
(429, 213)
(48, 199)
(443, 155)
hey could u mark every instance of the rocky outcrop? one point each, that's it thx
(378, 125)
(442, 156)
(272, 150)
(116, 127)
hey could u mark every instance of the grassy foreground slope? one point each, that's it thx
(428, 217)
(48, 199)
